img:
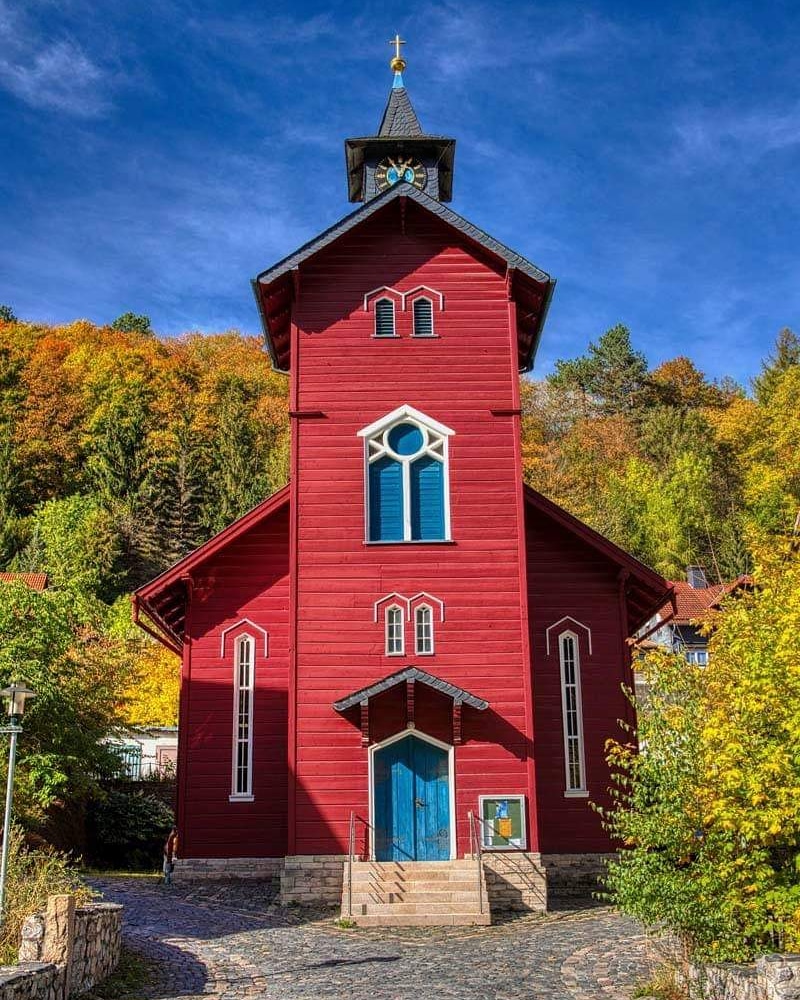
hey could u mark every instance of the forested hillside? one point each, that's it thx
(121, 451)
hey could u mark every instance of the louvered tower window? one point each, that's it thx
(423, 318)
(243, 678)
(384, 318)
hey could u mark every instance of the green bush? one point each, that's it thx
(128, 829)
(32, 876)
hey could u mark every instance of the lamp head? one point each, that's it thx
(16, 694)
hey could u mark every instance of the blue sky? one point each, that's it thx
(155, 156)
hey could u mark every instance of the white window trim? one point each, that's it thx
(402, 650)
(422, 336)
(451, 777)
(429, 598)
(377, 292)
(245, 796)
(524, 831)
(417, 650)
(376, 434)
(569, 791)
(411, 295)
(384, 336)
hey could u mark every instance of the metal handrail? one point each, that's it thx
(350, 851)
(477, 852)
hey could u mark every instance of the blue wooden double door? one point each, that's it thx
(412, 801)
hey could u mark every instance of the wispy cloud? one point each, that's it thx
(709, 135)
(61, 77)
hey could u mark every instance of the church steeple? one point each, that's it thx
(400, 152)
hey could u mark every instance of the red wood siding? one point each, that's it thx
(249, 578)
(567, 577)
(352, 379)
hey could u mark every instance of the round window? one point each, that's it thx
(405, 440)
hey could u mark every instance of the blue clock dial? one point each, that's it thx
(391, 170)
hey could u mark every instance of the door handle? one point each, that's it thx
(419, 803)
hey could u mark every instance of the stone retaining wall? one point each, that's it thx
(773, 977)
(31, 981)
(313, 879)
(64, 951)
(515, 880)
(573, 875)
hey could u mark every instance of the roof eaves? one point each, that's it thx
(411, 673)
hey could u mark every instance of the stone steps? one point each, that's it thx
(424, 893)
(423, 920)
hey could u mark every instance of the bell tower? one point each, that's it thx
(400, 152)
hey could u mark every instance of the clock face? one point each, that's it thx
(390, 170)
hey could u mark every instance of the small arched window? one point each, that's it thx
(423, 317)
(423, 630)
(384, 318)
(395, 633)
(243, 683)
(572, 712)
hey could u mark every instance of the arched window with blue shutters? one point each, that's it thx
(386, 501)
(407, 478)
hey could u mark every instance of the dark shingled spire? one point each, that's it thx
(399, 118)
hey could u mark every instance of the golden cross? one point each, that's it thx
(397, 41)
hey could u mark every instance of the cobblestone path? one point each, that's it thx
(228, 939)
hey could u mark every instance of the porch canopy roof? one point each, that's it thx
(458, 694)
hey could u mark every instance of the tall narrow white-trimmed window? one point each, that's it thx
(384, 318)
(243, 683)
(423, 630)
(574, 757)
(395, 633)
(423, 317)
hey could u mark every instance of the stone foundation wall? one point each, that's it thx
(64, 951)
(313, 879)
(515, 880)
(204, 868)
(571, 875)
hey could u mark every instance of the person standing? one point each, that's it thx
(170, 853)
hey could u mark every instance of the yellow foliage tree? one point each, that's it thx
(151, 698)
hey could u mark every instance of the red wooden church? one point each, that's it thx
(405, 657)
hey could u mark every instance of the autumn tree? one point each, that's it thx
(709, 814)
(57, 640)
(7, 314)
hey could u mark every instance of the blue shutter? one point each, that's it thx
(427, 500)
(385, 501)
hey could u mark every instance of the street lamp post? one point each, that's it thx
(16, 694)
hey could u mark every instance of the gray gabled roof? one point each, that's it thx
(399, 117)
(411, 674)
(404, 190)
